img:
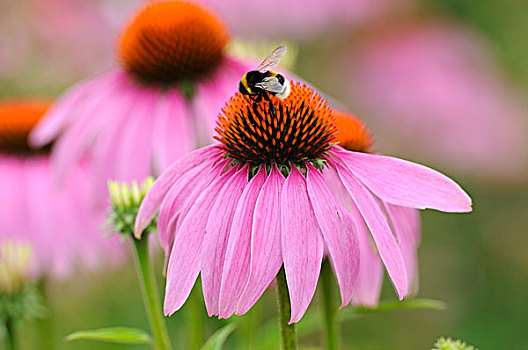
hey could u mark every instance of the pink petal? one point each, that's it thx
(172, 134)
(405, 183)
(339, 232)
(154, 197)
(238, 253)
(406, 222)
(211, 96)
(266, 255)
(185, 190)
(134, 155)
(381, 232)
(367, 289)
(90, 118)
(217, 236)
(108, 139)
(65, 108)
(183, 198)
(302, 243)
(184, 261)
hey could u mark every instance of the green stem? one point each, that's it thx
(149, 291)
(44, 325)
(287, 331)
(11, 340)
(330, 306)
(195, 327)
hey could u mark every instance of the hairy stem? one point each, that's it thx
(149, 291)
(287, 331)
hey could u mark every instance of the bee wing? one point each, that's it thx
(270, 84)
(273, 59)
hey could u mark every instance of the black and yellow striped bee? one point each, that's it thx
(261, 81)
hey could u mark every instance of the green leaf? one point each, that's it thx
(113, 335)
(392, 305)
(217, 340)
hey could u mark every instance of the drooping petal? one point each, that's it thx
(302, 243)
(337, 188)
(186, 189)
(89, 120)
(154, 197)
(406, 222)
(103, 152)
(367, 289)
(172, 133)
(405, 183)
(238, 253)
(379, 227)
(181, 199)
(133, 155)
(65, 108)
(266, 255)
(217, 236)
(339, 232)
(184, 261)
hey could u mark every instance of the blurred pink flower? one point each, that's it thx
(72, 36)
(236, 212)
(44, 44)
(432, 92)
(133, 121)
(57, 221)
(298, 18)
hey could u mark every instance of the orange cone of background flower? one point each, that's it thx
(55, 219)
(133, 121)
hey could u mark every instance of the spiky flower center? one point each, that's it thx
(172, 41)
(17, 119)
(268, 130)
(352, 135)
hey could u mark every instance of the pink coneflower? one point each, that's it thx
(434, 92)
(297, 18)
(136, 119)
(57, 222)
(404, 221)
(238, 211)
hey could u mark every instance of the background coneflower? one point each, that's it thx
(56, 219)
(159, 104)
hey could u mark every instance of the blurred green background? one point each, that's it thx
(474, 262)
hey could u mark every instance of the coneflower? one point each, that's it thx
(55, 219)
(239, 211)
(159, 104)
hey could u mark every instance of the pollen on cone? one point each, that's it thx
(352, 135)
(17, 119)
(170, 41)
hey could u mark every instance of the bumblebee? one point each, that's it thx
(261, 81)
